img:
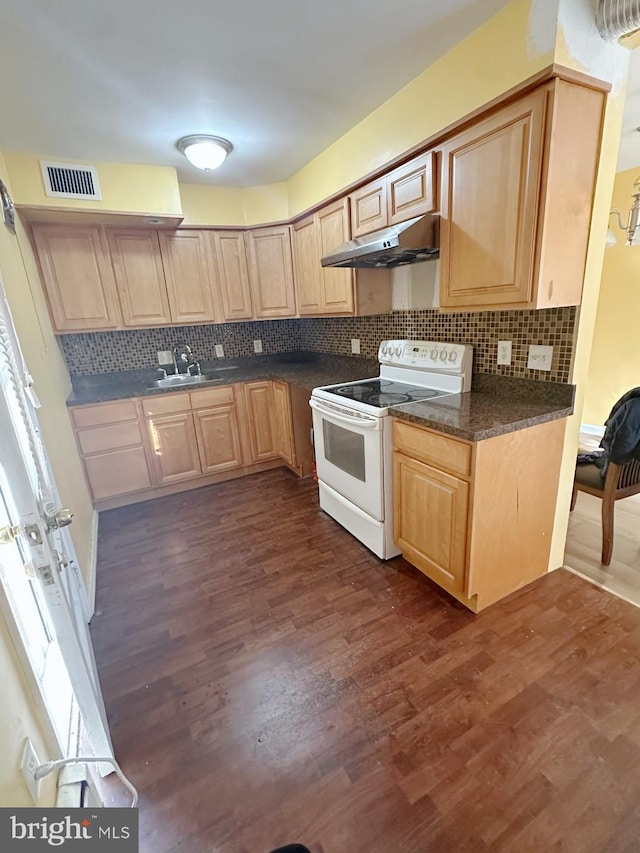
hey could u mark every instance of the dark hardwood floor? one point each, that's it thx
(268, 680)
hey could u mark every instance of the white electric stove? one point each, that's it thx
(352, 432)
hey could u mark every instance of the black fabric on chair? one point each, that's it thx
(292, 848)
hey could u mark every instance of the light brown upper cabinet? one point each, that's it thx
(137, 266)
(271, 272)
(189, 273)
(77, 277)
(408, 191)
(517, 191)
(336, 284)
(333, 290)
(233, 274)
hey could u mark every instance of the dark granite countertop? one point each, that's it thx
(305, 369)
(495, 405)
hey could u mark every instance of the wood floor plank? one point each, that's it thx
(268, 680)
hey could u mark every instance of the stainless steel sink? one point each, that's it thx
(179, 381)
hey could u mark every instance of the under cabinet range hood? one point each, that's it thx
(408, 242)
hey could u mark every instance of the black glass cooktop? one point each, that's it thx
(384, 392)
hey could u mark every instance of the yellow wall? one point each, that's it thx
(125, 187)
(462, 80)
(20, 717)
(208, 205)
(615, 357)
(51, 379)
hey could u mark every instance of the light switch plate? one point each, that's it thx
(165, 356)
(504, 352)
(355, 346)
(219, 351)
(257, 346)
(540, 357)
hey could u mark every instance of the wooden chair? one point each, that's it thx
(621, 481)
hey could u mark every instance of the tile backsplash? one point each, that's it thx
(99, 352)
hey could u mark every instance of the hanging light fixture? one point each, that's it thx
(203, 151)
(633, 218)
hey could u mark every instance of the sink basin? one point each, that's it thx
(182, 379)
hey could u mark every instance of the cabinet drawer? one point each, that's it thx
(104, 413)
(166, 404)
(109, 437)
(117, 473)
(438, 450)
(213, 397)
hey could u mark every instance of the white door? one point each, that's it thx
(349, 454)
(39, 569)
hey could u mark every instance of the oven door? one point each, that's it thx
(349, 454)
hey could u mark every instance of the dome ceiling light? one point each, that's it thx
(203, 151)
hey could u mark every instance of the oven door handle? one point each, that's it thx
(368, 423)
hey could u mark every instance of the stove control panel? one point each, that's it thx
(428, 355)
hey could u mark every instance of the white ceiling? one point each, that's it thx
(123, 80)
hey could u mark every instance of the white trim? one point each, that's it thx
(591, 429)
(92, 568)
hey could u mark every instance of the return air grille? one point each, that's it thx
(66, 180)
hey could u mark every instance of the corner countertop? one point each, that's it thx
(305, 369)
(496, 405)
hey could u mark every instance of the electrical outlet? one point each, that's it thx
(165, 356)
(540, 357)
(504, 352)
(28, 765)
(355, 346)
(257, 346)
(219, 351)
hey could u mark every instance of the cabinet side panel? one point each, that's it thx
(515, 485)
(565, 213)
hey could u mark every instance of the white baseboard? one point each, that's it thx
(93, 562)
(591, 429)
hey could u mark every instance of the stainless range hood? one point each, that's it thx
(406, 243)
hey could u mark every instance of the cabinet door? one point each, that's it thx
(306, 254)
(259, 404)
(233, 275)
(137, 266)
(271, 272)
(174, 447)
(411, 188)
(117, 472)
(490, 197)
(188, 275)
(337, 284)
(282, 422)
(218, 439)
(369, 208)
(77, 277)
(430, 520)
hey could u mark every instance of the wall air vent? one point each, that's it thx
(67, 180)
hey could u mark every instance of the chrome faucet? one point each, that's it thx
(185, 361)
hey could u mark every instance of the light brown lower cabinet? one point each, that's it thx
(477, 517)
(140, 448)
(174, 447)
(258, 398)
(282, 423)
(111, 442)
(218, 439)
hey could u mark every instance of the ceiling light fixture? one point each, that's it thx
(203, 151)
